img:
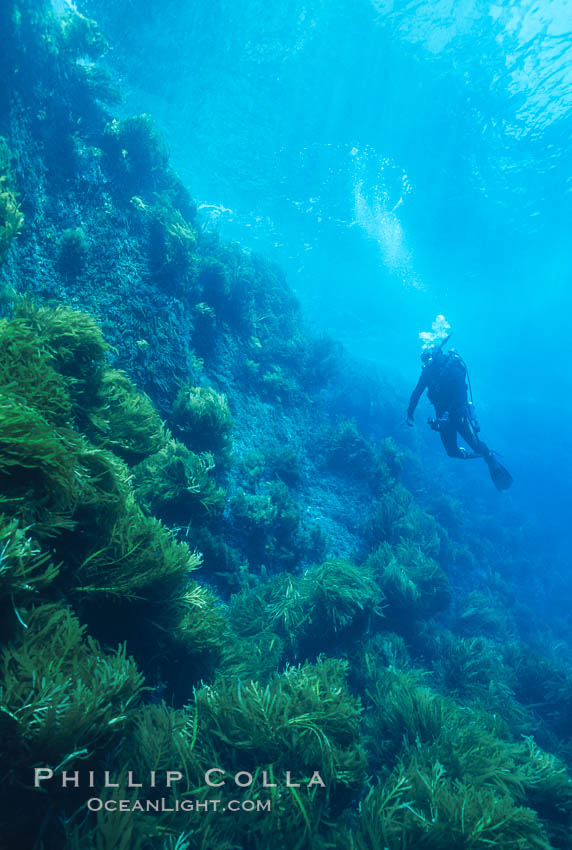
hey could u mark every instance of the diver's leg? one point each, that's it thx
(471, 438)
(448, 434)
(502, 479)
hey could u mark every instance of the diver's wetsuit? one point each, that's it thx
(444, 379)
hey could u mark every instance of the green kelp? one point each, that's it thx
(62, 696)
(269, 521)
(177, 483)
(51, 470)
(126, 421)
(475, 671)
(420, 806)
(63, 700)
(24, 566)
(73, 251)
(386, 519)
(75, 342)
(347, 451)
(395, 517)
(201, 626)
(303, 722)
(272, 528)
(72, 538)
(427, 803)
(329, 602)
(414, 584)
(40, 468)
(204, 419)
(139, 559)
(28, 371)
(54, 477)
(482, 612)
(339, 595)
(81, 35)
(137, 150)
(451, 776)
(172, 239)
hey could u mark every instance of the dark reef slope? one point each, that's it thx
(163, 409)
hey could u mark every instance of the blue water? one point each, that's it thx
(399, 160)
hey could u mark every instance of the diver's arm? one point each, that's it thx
(416, 395)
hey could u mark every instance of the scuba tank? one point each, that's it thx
(471, 412)
(456, 372)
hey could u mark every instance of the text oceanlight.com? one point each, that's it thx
(96, 804)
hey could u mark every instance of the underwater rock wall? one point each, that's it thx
(210, 553)
(110, 229)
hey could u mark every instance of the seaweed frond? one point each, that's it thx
(204, 418)
(62, 695)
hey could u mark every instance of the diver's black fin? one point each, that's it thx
(502, 479)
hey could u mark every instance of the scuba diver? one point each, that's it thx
(444, 375)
